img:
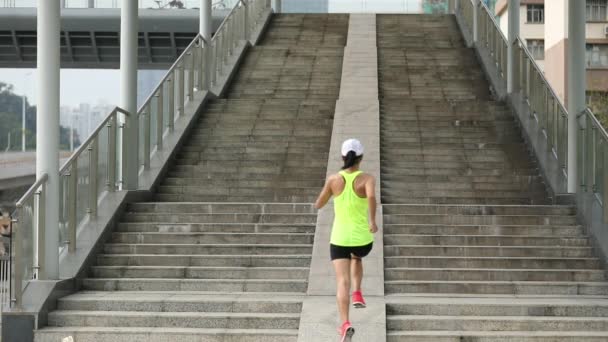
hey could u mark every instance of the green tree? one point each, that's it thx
(598, 102)
(10, 122)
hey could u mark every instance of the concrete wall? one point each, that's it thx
(556, 40)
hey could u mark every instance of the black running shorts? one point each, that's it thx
(343, 252)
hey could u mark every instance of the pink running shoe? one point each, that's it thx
(358, 301)
(346, 332)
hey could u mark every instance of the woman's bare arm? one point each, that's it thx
(370, 193)
(325, 194)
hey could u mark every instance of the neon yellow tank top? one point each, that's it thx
(351, 227)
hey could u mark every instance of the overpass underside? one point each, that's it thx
(90, 38)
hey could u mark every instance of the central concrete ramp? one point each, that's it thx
(357, 116)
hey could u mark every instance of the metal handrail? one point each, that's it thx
(524, 47)
(31, 191)
(493, 18)
(227, 17)
(169, 71)
(83, 146)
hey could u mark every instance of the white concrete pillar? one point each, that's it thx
(576, 83)
(277, 6)
(475, 21)
(47, 117)
(128, 91)
(205, 19)
(512, 52)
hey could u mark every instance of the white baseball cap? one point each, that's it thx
(352, 145)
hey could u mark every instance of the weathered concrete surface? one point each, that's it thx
(357, 116)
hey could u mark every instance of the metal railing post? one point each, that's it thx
(181, 86)
(247, 11)
(475, 21)
(41, 232)
(147, 131)
(112, 135)
(160, 125)
(93, 165)
(190, 76)
(171, 97)
(72, 206)
(18, 257)
(124, 155)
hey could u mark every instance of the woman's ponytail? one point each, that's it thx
(350, 160)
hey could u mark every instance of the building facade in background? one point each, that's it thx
(544, 27)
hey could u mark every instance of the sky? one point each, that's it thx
(77, 85)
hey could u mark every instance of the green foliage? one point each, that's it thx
(598, 103)
(10, 122)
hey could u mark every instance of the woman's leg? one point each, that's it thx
(342, 268)
(356, 273)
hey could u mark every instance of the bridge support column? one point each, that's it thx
(205, 31)
(576, 83)
(512, 52)
(277, 6)
(128, 93)
(47, 117)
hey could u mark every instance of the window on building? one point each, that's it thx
(597, 10)
(597, 55)
(537, 48)
(536, 14)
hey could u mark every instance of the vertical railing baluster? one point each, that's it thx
(160, 125)
(190, 62)
(93, 165)
(17, 240)
(171, 96)
(112, 136)
(41, 232)
(147, 132)
(180, 93)
(72, 205)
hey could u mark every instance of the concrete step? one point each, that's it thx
(482, 219)
(191, 320)
(553, 210)
(213, 285)
(469, 273)
(225, 208)
(498, 287)
(219, 218)
(212, 238)
(495, 336)
(504, 263)
(282, 260)
(232, 194)
(274, 197)
(182, 301)
(210, 249)
(537, 306)
(489, 251)
(496, 323)
(163, 334)
(199, 272)
(510, 230)
(395, 172)
(153, 227)
(484, 240)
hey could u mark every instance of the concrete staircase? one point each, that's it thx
(473, 249)
(223, 251)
